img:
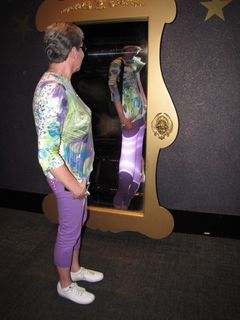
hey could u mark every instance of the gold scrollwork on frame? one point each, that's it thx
(162, 125)
(125, 3)
(101, 4)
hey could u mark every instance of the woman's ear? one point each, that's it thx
(73, 52)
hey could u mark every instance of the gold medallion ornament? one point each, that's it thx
(162, 125)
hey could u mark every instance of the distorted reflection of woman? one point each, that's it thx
(130, 102)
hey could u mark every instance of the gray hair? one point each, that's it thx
(131, 48)
(60, 38)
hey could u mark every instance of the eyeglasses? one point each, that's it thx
(83, 47)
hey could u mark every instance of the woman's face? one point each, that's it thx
(131, 53)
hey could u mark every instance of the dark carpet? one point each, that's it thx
(181, 277)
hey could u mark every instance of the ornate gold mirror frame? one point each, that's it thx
(162, 122)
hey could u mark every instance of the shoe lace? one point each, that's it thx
(86, 271)
(76, 289)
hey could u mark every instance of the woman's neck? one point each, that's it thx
(61, 69)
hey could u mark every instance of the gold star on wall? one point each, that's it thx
(215, 7)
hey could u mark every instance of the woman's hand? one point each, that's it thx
(127, 124)
(76, 187)
(80, 191)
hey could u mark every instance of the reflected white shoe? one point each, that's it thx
(87, 275)
(75, 293)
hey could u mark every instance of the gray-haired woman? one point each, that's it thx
(65, 153)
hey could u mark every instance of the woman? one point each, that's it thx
(130, 102)
(65, 153)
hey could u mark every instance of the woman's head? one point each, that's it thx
(131, 51)
(60, 38)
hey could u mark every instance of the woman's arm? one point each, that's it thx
(51, 112)
(114, 72)
(126, 123)
(63, 175)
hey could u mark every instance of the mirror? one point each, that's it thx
(110, 56)
(149, 218)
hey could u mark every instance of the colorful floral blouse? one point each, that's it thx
(132, 100)
(63, 124)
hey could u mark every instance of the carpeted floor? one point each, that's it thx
(181, 277)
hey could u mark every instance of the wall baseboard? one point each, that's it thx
(208, 224)
(21, 200)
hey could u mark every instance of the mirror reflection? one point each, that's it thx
(112, 82)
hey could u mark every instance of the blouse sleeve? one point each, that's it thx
(114, 72)
(51, 112)
(138, 63)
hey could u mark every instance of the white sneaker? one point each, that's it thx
(86, 275)
(75, 293)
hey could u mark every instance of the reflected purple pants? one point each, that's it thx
(72, 214)
(130, 166)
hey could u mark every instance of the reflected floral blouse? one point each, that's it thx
(63, 125)
(132, 100)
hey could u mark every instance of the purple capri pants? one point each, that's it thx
(130, 164)
(72, 214)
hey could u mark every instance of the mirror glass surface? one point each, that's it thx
(104, 43)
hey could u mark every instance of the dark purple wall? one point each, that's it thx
(201, 66)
